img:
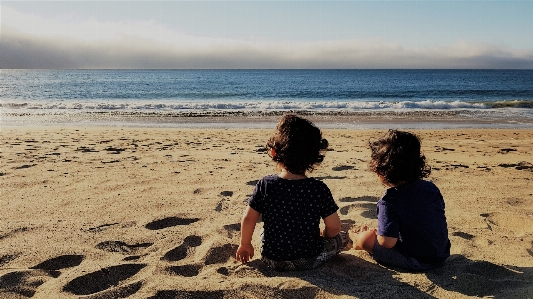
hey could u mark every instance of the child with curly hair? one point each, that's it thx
(292, 204)
(412, 233)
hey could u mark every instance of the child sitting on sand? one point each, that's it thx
(292, 204)
(412, 232)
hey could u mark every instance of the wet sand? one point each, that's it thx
(372, 119)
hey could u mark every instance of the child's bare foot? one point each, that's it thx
(353, 235)
(364, 228)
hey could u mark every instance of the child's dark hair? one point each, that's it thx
(397, 158)
(298, 144)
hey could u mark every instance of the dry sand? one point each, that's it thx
(154, 213)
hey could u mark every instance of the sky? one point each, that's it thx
(266, 34)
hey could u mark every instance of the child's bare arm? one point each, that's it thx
(387, 242)
(333, 225)
(246, 251)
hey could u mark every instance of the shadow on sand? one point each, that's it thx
(353, 276)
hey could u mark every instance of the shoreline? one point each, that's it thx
(441, 119)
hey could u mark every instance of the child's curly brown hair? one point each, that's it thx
(298, 144)
(397, 158)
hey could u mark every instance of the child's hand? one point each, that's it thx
(244, 253)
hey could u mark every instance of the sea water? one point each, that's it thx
(502, 94)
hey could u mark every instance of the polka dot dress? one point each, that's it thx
(291, 211)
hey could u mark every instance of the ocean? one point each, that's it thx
(502, 97)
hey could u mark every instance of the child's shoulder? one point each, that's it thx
(427, 184)
(428, 188)
(269, 178)
(414, 187)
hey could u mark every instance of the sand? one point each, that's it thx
(104, 212)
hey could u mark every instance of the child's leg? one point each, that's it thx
(336, 244)
(364, 240)
(392, 257)
(332, 246)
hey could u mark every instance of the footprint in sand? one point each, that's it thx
(60, 262)
(245, 291)
(366, 210)
(518, 166)
(25, 283)
(5, 259)
(183, 250)
(223, 204)
(342, 167)
(121, 247)
(252, 183)
(118, 292)
(25, 166)
(463, 235)
(232, 229)
(329, 177)
(184, 270)
(361, 198)
(104, 279)
(166, 294)
(216, 255)
(226, 193)
(85, 149)
(519, 224)
(169, 222)
(220, 254)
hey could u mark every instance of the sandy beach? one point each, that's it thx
(109, 212)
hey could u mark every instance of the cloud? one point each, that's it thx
(33, 42)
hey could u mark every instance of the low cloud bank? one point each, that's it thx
(21, 50)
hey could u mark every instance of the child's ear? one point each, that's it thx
(272, 152)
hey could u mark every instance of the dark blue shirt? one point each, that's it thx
(414, 213)
(291, 211)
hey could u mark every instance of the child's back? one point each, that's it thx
(291, 212)
(420, 222)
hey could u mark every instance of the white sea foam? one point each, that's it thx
(188, 106)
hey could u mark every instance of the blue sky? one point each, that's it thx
(266, 34)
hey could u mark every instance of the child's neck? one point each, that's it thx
(291, 176)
